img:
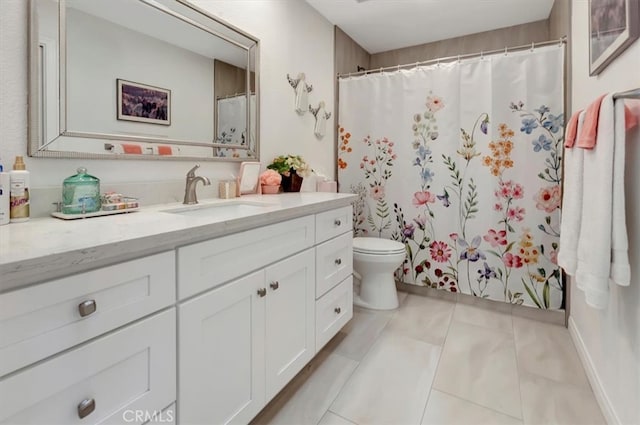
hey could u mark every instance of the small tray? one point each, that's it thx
(64, 216)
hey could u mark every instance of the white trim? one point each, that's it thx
(606, 407)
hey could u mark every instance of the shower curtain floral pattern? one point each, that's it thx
(462, 163)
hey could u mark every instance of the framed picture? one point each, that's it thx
(613, 26)
(143, 103)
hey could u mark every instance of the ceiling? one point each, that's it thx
(381, 25)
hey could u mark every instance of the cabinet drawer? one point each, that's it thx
(334, 262)
(45, 319)
(332, 223)
(333, 311)
(208, 264)
(133, 369)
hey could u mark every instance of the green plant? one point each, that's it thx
(284, 164)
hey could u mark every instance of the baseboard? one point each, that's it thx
(598, 390)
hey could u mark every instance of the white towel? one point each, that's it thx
(597, 226)
(620, 269)
(571, 214)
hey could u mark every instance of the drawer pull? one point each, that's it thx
(337, 222)
(262, 292)
(87, 307)
(338, 261)
(86, 407)
(337, 310)
(274, 285)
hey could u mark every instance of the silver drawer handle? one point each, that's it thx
(262, 292)
(338, 261)
(87, 307)
(337, 310)
(337, 222)
(274, 285)
(86, 407)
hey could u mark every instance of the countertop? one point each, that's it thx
(47, 248)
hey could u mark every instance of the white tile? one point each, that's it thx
(361, 332)
(332, 419)
(392, 383)
(423, 318)
(310, 399)
(445, 409)
(548, 402)
(479, 365)
(481, 316)
(547, 350)
(401, 297)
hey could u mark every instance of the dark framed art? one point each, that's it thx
(613, 26)
(143, 103)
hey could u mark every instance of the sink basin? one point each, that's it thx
(233, 208)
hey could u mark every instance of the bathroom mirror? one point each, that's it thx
(136, 79)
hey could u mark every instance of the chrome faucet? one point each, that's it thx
(190, 188)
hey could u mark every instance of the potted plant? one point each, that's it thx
(293, 169)
(270, 181)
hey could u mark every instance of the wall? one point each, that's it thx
(349, 54)
(609, 340)
(560, 26)
(490, 40)
(294, 38)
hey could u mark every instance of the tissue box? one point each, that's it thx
(328, 186)
(227, 189)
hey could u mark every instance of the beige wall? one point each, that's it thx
(484, 41)
(349, 54)
(560, 26)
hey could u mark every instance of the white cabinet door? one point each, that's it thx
(221, 354)
(289, 319)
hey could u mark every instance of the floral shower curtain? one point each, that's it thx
(462, 163)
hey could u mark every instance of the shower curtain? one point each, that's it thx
(462, 163)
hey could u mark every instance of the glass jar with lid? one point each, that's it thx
(81, 193)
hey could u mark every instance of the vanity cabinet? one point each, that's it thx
(241, 343)
(214, 329)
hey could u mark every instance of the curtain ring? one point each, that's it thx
(481, 55)
(505, 50)
(458, 58)
(532, 45)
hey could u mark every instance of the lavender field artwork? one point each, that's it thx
(143, 103)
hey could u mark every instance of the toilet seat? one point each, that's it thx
(377, 246)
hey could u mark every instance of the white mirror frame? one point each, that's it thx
(37, 95)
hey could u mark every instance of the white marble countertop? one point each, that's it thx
(46, 248)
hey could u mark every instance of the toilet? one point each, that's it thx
(374, 262)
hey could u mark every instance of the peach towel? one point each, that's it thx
(589, 133)
(164, 150)
(572, 130)
(131, 148)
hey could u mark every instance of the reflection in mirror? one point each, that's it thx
(231, 107)
(118, 78)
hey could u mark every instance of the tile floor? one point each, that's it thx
(433, 361)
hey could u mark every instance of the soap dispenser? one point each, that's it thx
(81, 193)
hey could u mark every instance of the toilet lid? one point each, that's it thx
(377, 246)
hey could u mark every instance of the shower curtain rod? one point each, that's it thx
(630, 94)
(559, 41)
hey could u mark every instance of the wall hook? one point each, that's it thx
(321, 117)
(302, 90)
